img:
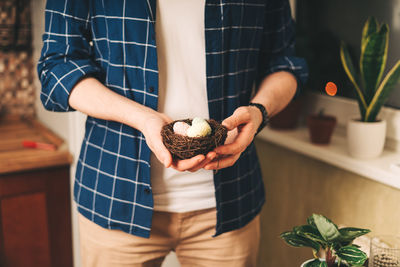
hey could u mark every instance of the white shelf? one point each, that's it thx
(336, 154)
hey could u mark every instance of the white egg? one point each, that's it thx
(199, 130)
(197, 120)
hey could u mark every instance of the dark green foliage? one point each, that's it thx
(320, 232)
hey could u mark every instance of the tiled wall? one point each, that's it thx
(17, 73)
(17, 91)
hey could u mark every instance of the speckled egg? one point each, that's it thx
(181, 127)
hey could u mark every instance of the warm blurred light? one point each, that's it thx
(331, 88)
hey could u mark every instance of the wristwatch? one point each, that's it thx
(265, 118)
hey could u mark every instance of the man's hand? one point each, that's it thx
(195, 163)
(152, 132)
(246, 119)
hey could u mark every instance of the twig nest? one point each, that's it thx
(200, 140)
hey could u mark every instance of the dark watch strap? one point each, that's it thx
(264, 113)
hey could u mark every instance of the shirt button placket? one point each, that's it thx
(151, 89)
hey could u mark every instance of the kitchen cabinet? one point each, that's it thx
(35, 213)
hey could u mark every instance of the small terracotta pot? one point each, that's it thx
(288, 118)
(321, 128)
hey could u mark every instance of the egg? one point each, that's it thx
(200, 128)
(197, 120)
(181, 127)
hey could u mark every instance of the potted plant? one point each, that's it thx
(320, 233)
(366, 134)
(321, 127)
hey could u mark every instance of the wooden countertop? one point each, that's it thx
(14, 157)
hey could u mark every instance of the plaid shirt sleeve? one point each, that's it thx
(66, 53)
(278, 43)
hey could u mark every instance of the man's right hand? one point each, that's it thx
(152, 132)
(90, 97)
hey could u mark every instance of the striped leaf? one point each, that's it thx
(352, 255)
(326, 227)
(316, 263)
(382, 93)
(373, 60)
(298, 241)
(351, 74)
(348, 234)
(310, 232)
(370, 26)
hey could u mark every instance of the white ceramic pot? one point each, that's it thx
(365, 140)
(304, 263)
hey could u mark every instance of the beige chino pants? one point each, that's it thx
(189, 234)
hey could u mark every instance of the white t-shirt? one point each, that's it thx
(182, 94)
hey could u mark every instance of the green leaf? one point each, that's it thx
(383, 93)
(352, 255)
(351, 74)
(316, 263)
(298, 241)
(373, 60)
(310, 232)
(310, 221)
(370, 26)
(348, 234)
(326, 227)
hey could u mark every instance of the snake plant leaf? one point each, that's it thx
(382, 93)
(310, 232)
(373, 60)
(328, 230)
(348, 234)
(369, 27)
(351, 74)
(316, 263)
(352, 255)
(298, 241)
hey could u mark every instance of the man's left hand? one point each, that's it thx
(246, 119)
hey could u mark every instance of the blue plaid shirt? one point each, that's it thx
(114, 41)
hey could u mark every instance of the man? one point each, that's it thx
(134, 66)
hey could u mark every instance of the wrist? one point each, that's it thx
(257, 115)
(136, 116)
(263, 115)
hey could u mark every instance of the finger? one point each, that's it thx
(222, 162)
(231, 136)
(186, 164)
(161, 152)
(242, 141)
(164, 156)
(209, 157)
(240, 116)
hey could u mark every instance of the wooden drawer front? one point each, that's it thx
(25, 230)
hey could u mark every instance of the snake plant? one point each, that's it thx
(371, 90)
(322, 233)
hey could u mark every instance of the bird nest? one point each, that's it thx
(184, 147)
